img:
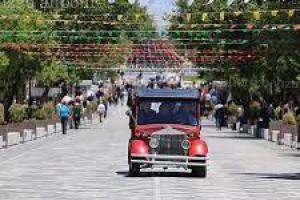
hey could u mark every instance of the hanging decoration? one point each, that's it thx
(256, 15)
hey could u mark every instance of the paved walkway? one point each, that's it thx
(91, 163)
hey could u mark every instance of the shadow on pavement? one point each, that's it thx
(158, 174)
(297, 155)
(238, 137)
(280, 176)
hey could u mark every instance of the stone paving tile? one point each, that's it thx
(91, 163)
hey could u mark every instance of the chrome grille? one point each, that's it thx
(170, 144)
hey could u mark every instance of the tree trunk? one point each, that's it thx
(45, 95)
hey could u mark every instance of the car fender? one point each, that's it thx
(138, 147)
(198, 148)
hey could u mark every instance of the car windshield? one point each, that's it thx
(167, 112)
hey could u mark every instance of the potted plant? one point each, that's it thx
(287, 130)
(297, 137)
(41, 114)
(234, 111)
(274, 125)
(17, 112)
(254, 112)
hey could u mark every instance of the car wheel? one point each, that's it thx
(134, 169)
(199, 171)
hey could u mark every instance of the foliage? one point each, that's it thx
(4, 61)
(17, 112)
(47, 111)
(254, 109)
(289, 118)
(52, 74)
(18, 63)
(2, 114)
(277, 113)
(276, 66)
(298, 122)
(119, 27)
(41, 114)
(234, 109)
(91, 107)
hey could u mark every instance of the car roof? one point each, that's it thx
(192, 94)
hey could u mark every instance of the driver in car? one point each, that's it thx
(186, 115)
(146, 114)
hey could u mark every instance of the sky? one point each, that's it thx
(158, 8)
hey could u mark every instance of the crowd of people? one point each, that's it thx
(215, 103)
(71, 111)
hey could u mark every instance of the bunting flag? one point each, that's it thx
(274, 13)
(137, 17)
(291, 12)
(188, 17)
(120, 17)
(237, 13)
(204, 16)
(256, 15)
(116, 19)
(222, 16)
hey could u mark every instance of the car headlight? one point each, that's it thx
(185, 144)
(153, 143)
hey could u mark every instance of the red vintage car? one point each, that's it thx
(166, 128)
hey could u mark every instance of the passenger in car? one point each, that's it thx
(165, 114)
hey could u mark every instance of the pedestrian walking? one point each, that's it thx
(64, 113)
(122, 95)
(101, 111)
(77, 110)
(219, 115)
(70, 120)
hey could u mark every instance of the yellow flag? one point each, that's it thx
(274, 13)
(222, 16)
(39, 20)
(204, 16)
(27, 19)
(256, 15)
(193, 25)
(188, 17)
(291, 12)
(137, 16)
(237, 13)
(180, 25)
(120, 17)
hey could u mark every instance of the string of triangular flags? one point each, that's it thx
(118, 18)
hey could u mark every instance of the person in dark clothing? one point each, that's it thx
(130, 97)
(220, 114)
(77, 109)
(186, 115)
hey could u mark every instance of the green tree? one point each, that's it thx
(21, 25)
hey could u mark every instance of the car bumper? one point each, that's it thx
(168, 160)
